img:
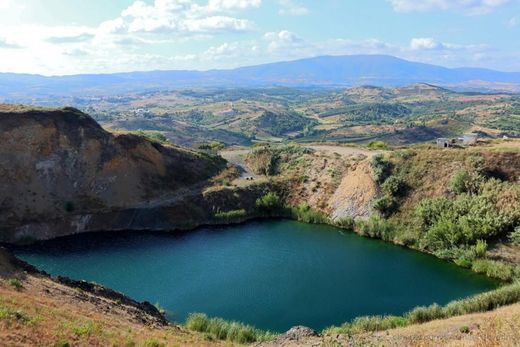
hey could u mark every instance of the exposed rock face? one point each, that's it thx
(61, 166)
(355, 195)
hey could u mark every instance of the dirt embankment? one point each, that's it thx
(36, 310)
(62, 173)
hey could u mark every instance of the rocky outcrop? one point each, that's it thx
(356, 193)
(60, 168)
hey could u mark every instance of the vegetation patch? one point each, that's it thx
(488, 301)
(227, 331)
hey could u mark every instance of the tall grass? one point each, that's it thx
(488, 301)
(227, 331)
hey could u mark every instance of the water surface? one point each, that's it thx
(273, 274)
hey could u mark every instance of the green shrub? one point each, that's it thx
(464, 329)
(480, 249)
(376, 227)
(377, 145)
(15, 283)
(463, 262)
(304, 213)
(346, 223)
(514, 237)
(229, 331)
(394, 186)
(152, 136)
(446, 224)
(385, 205)
(493, 269)
(425, 314)
(230, 215)
(381, 168)
(269, 203)
(458, 182)
(466, 182)
(488, 301)
(153, 343)
(19, 316)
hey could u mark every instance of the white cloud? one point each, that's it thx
(216, 23)
(178, 16)
(8, 45)
(290, 8)
(470, 7)
(5, 4)
(222, 5)
(425, 43)
(283, 40)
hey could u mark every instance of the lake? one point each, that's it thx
(272, 274)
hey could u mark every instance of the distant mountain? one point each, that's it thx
(325, 71)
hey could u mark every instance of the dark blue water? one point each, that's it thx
(273, 274)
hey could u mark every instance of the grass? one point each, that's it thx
(227, 331)
(231, 215)
(15, 283)
(494, 269)
(488, 301)
(11, 315)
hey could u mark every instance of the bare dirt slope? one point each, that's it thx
(60, 163)
(38, 311)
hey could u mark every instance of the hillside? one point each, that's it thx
(398, 115)
(60, 165)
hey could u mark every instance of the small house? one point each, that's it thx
(469, 139)
(443, 142)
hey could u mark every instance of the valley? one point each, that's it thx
(398, 116)
(402, 195)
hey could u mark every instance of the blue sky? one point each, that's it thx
(55, 37)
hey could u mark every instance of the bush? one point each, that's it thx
(304, 213)
(494, 269)
(425, 314)
(514, 237)
(377, 145)
(394, 186)
(153, 343)
(268, 203)
(376, 227)
(381, 168)
(385, 205)
(465, 182)
(15, 283)
(480, 249)
(458, 182)
(346, 223)
(229, 331)
(446, 224)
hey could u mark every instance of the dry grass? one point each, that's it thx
(46, 313)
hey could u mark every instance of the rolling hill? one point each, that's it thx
(325, 71)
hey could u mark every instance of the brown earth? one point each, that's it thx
(36, 310)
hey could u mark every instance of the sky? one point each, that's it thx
(62, 37)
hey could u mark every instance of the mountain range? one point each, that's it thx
(324, 71)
